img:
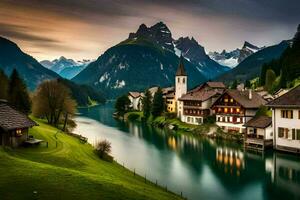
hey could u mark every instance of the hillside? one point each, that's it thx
(33, 73)
(250, 67)
(69, 171)
(148, 57)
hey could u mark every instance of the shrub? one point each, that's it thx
(103, 149)
(133, 116)
(170, 115)
(210, 119)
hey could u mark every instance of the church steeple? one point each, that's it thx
(180, 70)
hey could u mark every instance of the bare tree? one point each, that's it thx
(53, 101)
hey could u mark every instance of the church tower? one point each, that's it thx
(180, 80)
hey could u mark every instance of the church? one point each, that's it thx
(195, 105)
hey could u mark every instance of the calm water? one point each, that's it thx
(200, 168)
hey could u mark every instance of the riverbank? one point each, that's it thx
(174, 124)
(68, 169)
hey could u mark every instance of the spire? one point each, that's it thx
(180, 70)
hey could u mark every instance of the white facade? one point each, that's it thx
(191, 119)
(135, 102)
(180, 89)
(286, 129)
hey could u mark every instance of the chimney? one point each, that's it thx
(250, 94)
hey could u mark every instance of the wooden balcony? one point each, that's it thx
(257, 142)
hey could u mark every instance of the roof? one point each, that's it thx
(170, 95)
(134, 94)
(242, 97)
(180, 70)
(259, 122)
(289, 99)
(168, 90)
(216, 84)
(201, 95)
(11, 119)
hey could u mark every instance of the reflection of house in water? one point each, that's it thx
(285, 173)
(231, 159)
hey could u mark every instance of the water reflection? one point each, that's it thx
(200, 167)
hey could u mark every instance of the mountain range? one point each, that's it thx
(12, 57)
(233, 58)
(251, 66)
(66, 68)
(148, 57)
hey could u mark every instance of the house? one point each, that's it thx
(13, 126)
(180, 86)
(170, 102)
(196, 104)
(259, 133)
(135, 100)
(280, 92)
(286, 121)
(234, 108)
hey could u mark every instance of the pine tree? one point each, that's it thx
(234, 84)
(122, 104)
(248, 84)
(18, 95)
(147, 104)
(3, 85)
(158, 103)
(270, 79)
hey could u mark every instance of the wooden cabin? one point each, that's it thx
(14, 126)
(259, 133)
(234, 108)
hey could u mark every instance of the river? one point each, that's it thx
(200, 168)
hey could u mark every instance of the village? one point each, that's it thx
(235, 110)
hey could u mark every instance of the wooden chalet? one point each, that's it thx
(234, 108)
(13, 126)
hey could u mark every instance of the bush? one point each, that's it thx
(103, 149)
(210, 119)
(133, 116)
(170, 115)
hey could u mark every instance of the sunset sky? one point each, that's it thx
(84, 29)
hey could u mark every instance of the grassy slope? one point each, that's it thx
(70, 171)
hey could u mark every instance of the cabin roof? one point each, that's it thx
(289, 99)
(134, 94)
(259, 122)
(11, 119)
(242, 97)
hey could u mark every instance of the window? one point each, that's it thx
(237, 110)
(287, 114)
(298, 134)
(183, 80)
(293, 134)
(231, 100)
(280, 132)
(178, 80)
(299, 114)
(225, 110)
(231, 110)
(225, 100)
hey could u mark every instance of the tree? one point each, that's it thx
(17, 93)
(53, 101)
(103, 148)
(122, 105)
(270, 79)
(158, 103)
(248, 84)
(147, 103)
(234, 84)
(3, 85)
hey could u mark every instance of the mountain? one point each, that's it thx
(287, 67)
(33, 73)
(250, 67)
(233, 58)
(148, 57)
(195, 53)
(66, 68)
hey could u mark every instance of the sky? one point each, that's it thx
(85, 29)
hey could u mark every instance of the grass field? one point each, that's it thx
(69, 170)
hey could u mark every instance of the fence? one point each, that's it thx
(165, 187)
